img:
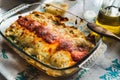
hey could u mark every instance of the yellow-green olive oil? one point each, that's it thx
(111, 23)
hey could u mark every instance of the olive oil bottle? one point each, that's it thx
(109, 17)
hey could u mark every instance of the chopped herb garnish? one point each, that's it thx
(71, 31)
(11, 38)
(56, 22)
(34, 56)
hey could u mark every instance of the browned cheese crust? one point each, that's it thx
(49, 39)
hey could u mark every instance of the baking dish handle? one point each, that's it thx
(13, 11)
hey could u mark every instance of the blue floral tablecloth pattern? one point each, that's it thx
(13, 67)
(113, 72)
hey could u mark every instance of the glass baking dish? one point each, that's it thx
(75, 21)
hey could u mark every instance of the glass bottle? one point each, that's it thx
(109, 16)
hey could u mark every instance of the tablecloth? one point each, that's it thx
(107, 66)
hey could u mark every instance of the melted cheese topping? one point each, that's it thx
(54, 44)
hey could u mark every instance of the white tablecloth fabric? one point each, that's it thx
(107, 66)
